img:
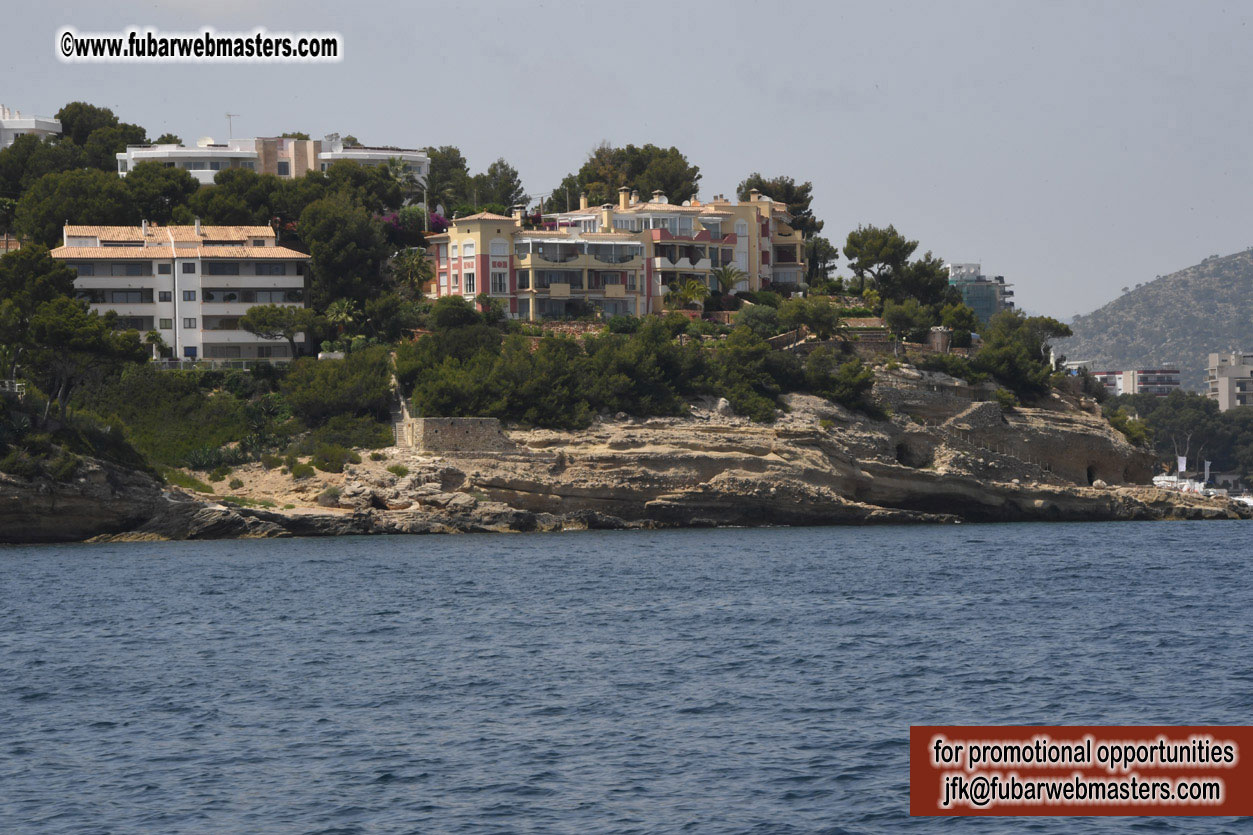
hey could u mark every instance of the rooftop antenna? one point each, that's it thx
(230, 126)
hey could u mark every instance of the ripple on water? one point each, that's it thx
(698, 681)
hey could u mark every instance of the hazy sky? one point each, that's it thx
(1074, 148)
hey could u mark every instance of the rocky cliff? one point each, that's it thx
(942, 456)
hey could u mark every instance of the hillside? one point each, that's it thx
(1176, 320)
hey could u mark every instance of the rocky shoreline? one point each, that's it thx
(936, 460)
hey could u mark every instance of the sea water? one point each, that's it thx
(620, 682)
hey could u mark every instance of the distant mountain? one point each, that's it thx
(1173, 321)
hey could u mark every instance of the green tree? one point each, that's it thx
(28, 159)
(646, 169)
(104, 144)
(342, 314)
(500, 185)
(70, 344)
(877, 253)
(295, 135)
(963, 322)
(347, 248)
(820, 258)
(1016, 352)
(448, 182)
(29, 278)
(410, 271)
(157, 190)
(817, 314)
(85, 196)
(279, 321)
(168, 139)
(239, 197)
(79, 119)
(761, 319)
(727, 276)
(908, 319)
(358, 385)
(785, 190)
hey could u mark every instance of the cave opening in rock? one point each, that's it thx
(1091, 474)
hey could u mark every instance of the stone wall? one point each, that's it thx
(456, 435)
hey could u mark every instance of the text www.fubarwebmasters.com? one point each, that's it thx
(141, 45)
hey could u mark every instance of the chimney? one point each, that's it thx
(635, 196)
(623, 197)
(519, 212)
(143, 227)
(754, 195)
(197, 227)
(582, 201)
(659, 196)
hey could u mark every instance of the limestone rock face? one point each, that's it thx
(101, 499)
(940, 457)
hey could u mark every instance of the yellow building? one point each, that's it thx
(619, 259)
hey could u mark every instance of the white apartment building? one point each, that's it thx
(286, 158)
(1229, 380)
(1156, 381)
(191, 284)
(14, 124)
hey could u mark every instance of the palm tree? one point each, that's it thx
(154, 341)
(694, 291)
(341, 313)
(727, 276)
(403, 175)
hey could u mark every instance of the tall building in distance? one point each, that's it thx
(191, 284)
(282, 157)
(1229, 380)
(985, 295)
(14, 124)
(1156, 381)
(619, 259)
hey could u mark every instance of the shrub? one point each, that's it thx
(330, 458)
(181, 479)
(300, 471)
(356, 386)
(64, 466)
(398, 470)
(1006, 398)
(271, 461)
(203, 458)
(235, 484)
(952, 365)
(329, 497)
(377, 456)
(219, 474)
(22, 464)
(761, 320)
(623, 324)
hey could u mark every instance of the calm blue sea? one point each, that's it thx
(620, 682)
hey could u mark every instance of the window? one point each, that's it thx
(189, 266)
(166, 324)
(685, 227)
(500, 248)
(163, 269)
(222, 268)
(264, 268)
(258, 242)
(284, 168)
(165, 296)
(469, 283)
(189, 322)
(189, 295)
(222, 351)
(500, 283)
(189, 353)
(442, 249)
(524, 308)
(443, 281)
(741, 228)
(83, 269)
(452, 252)
(130, 296)
(271, 350)
(524, 279)
(467, 249)
(215, 165)
(127, 269)
(630, 281)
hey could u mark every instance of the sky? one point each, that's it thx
(1073, 147)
